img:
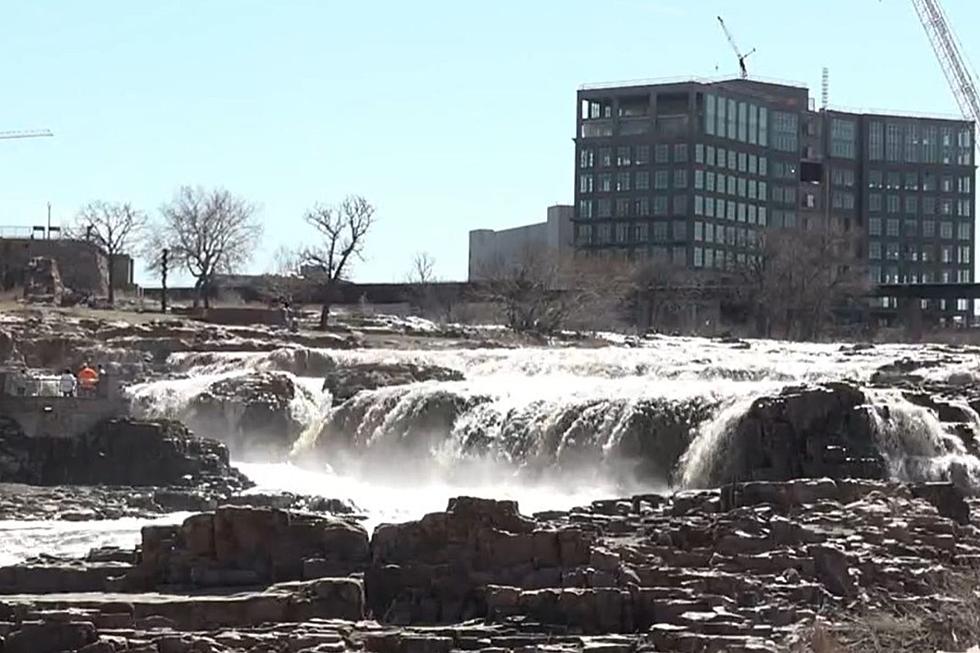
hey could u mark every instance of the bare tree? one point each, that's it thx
(799, 279)
(544, 291)
(208, 232)
(115, 227)
(423, 269)
(343, 229)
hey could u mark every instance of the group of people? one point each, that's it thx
(89, 382)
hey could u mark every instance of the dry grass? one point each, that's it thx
(948, 620)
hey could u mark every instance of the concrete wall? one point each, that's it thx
(83, 266)
(60, 417)
(491, 249)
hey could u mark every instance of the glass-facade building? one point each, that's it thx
(693, 172)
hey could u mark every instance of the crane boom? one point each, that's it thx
(738, 53)
(944, 42)
(34, 133)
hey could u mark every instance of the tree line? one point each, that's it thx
(211, 231)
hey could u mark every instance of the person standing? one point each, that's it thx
(67, 384)
(87, 380)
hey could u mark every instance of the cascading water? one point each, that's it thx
(552, 427)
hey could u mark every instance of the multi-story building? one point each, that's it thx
(694, 171)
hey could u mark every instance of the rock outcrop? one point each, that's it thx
(252, 414)
(243, 546)
(120, 452)
(42, 281)
(349, 378)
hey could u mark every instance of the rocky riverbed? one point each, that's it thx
(773, 496)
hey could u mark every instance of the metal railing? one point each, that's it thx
(595, 86)
(37, 232)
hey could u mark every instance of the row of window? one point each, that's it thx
(890, 274)
(626, 155)
(709, 232)
(930, 182)
(732, 185)
(707, 257)
(894, 204)
(927, 304)
(732, 159)
(911, 228)
(910, 142)
(843, 138)
(741, 121)
(892, 251)
(730, 210)
(633, 207)
(628, 233)
(627, 181)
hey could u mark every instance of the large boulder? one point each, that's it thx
(242, 546)
(803, 432)
(119, 452)
(252, 414)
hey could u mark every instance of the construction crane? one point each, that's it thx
(33, 133)
(962, 80)
(738, 53)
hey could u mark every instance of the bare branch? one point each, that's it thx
(115, 227)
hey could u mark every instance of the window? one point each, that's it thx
(721, 182)
(585, 183)
(874, 250)
(709, 258)
(623, 207)
(622, 233)
(732, 160)
(930, 145)
(929, 181)
(762, 190)
(680, 178)
(743, 121)
(894, 181)
(874, 226)
(710, 155)
(642, 157)
(929, 205)
(763, 127)
(911, 181)
(585, 209)
(732, 119)
(842, 177)
(893, 204)
(730, 211)
(698, 205)
(583, 234)
(963, 231)
(605, 157)
(709, 207)
(891, 251)
(680, 204)
(743, 162)
(709, 181)
(660, 231)
(680, 230)
(963, 277)
(586, 158)
(763, 166)
(720, 209)
(622, 181)
(680, 153)
(603, 233)
(642, 180)
(722, 157)
(963, 185)
(740, 214)
(642, 232)
(661, 179)
(698, 257)
(604, 209)
(699, 231)
(945, 207)
(762, 216)
(892, 227)
(963, 208)
(947, 254)
(699, 179)
(679, 255)
(741, 187)
(623, 156)
(842, 138)
(709, 114)
(660, 205)
(753, 189)
(731, 184)
(785, 131)
(605, 183)
(910, 228)
(911, 204)
(641, 206)
(946, 184)
(753, 215)
(709, 232)
(753, 124)
(946, 230)
(660, 153)
(875, 179)
(721, 122)
(964, 253)
(928, 229)
(911, 142)
(893, 142)
(876, 141)
(753, 164)
(843, 200)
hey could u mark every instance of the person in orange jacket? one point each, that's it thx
(88, 379)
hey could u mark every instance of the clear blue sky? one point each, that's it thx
(448, 115)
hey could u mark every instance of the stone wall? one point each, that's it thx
(84, 267)
(60, 417)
